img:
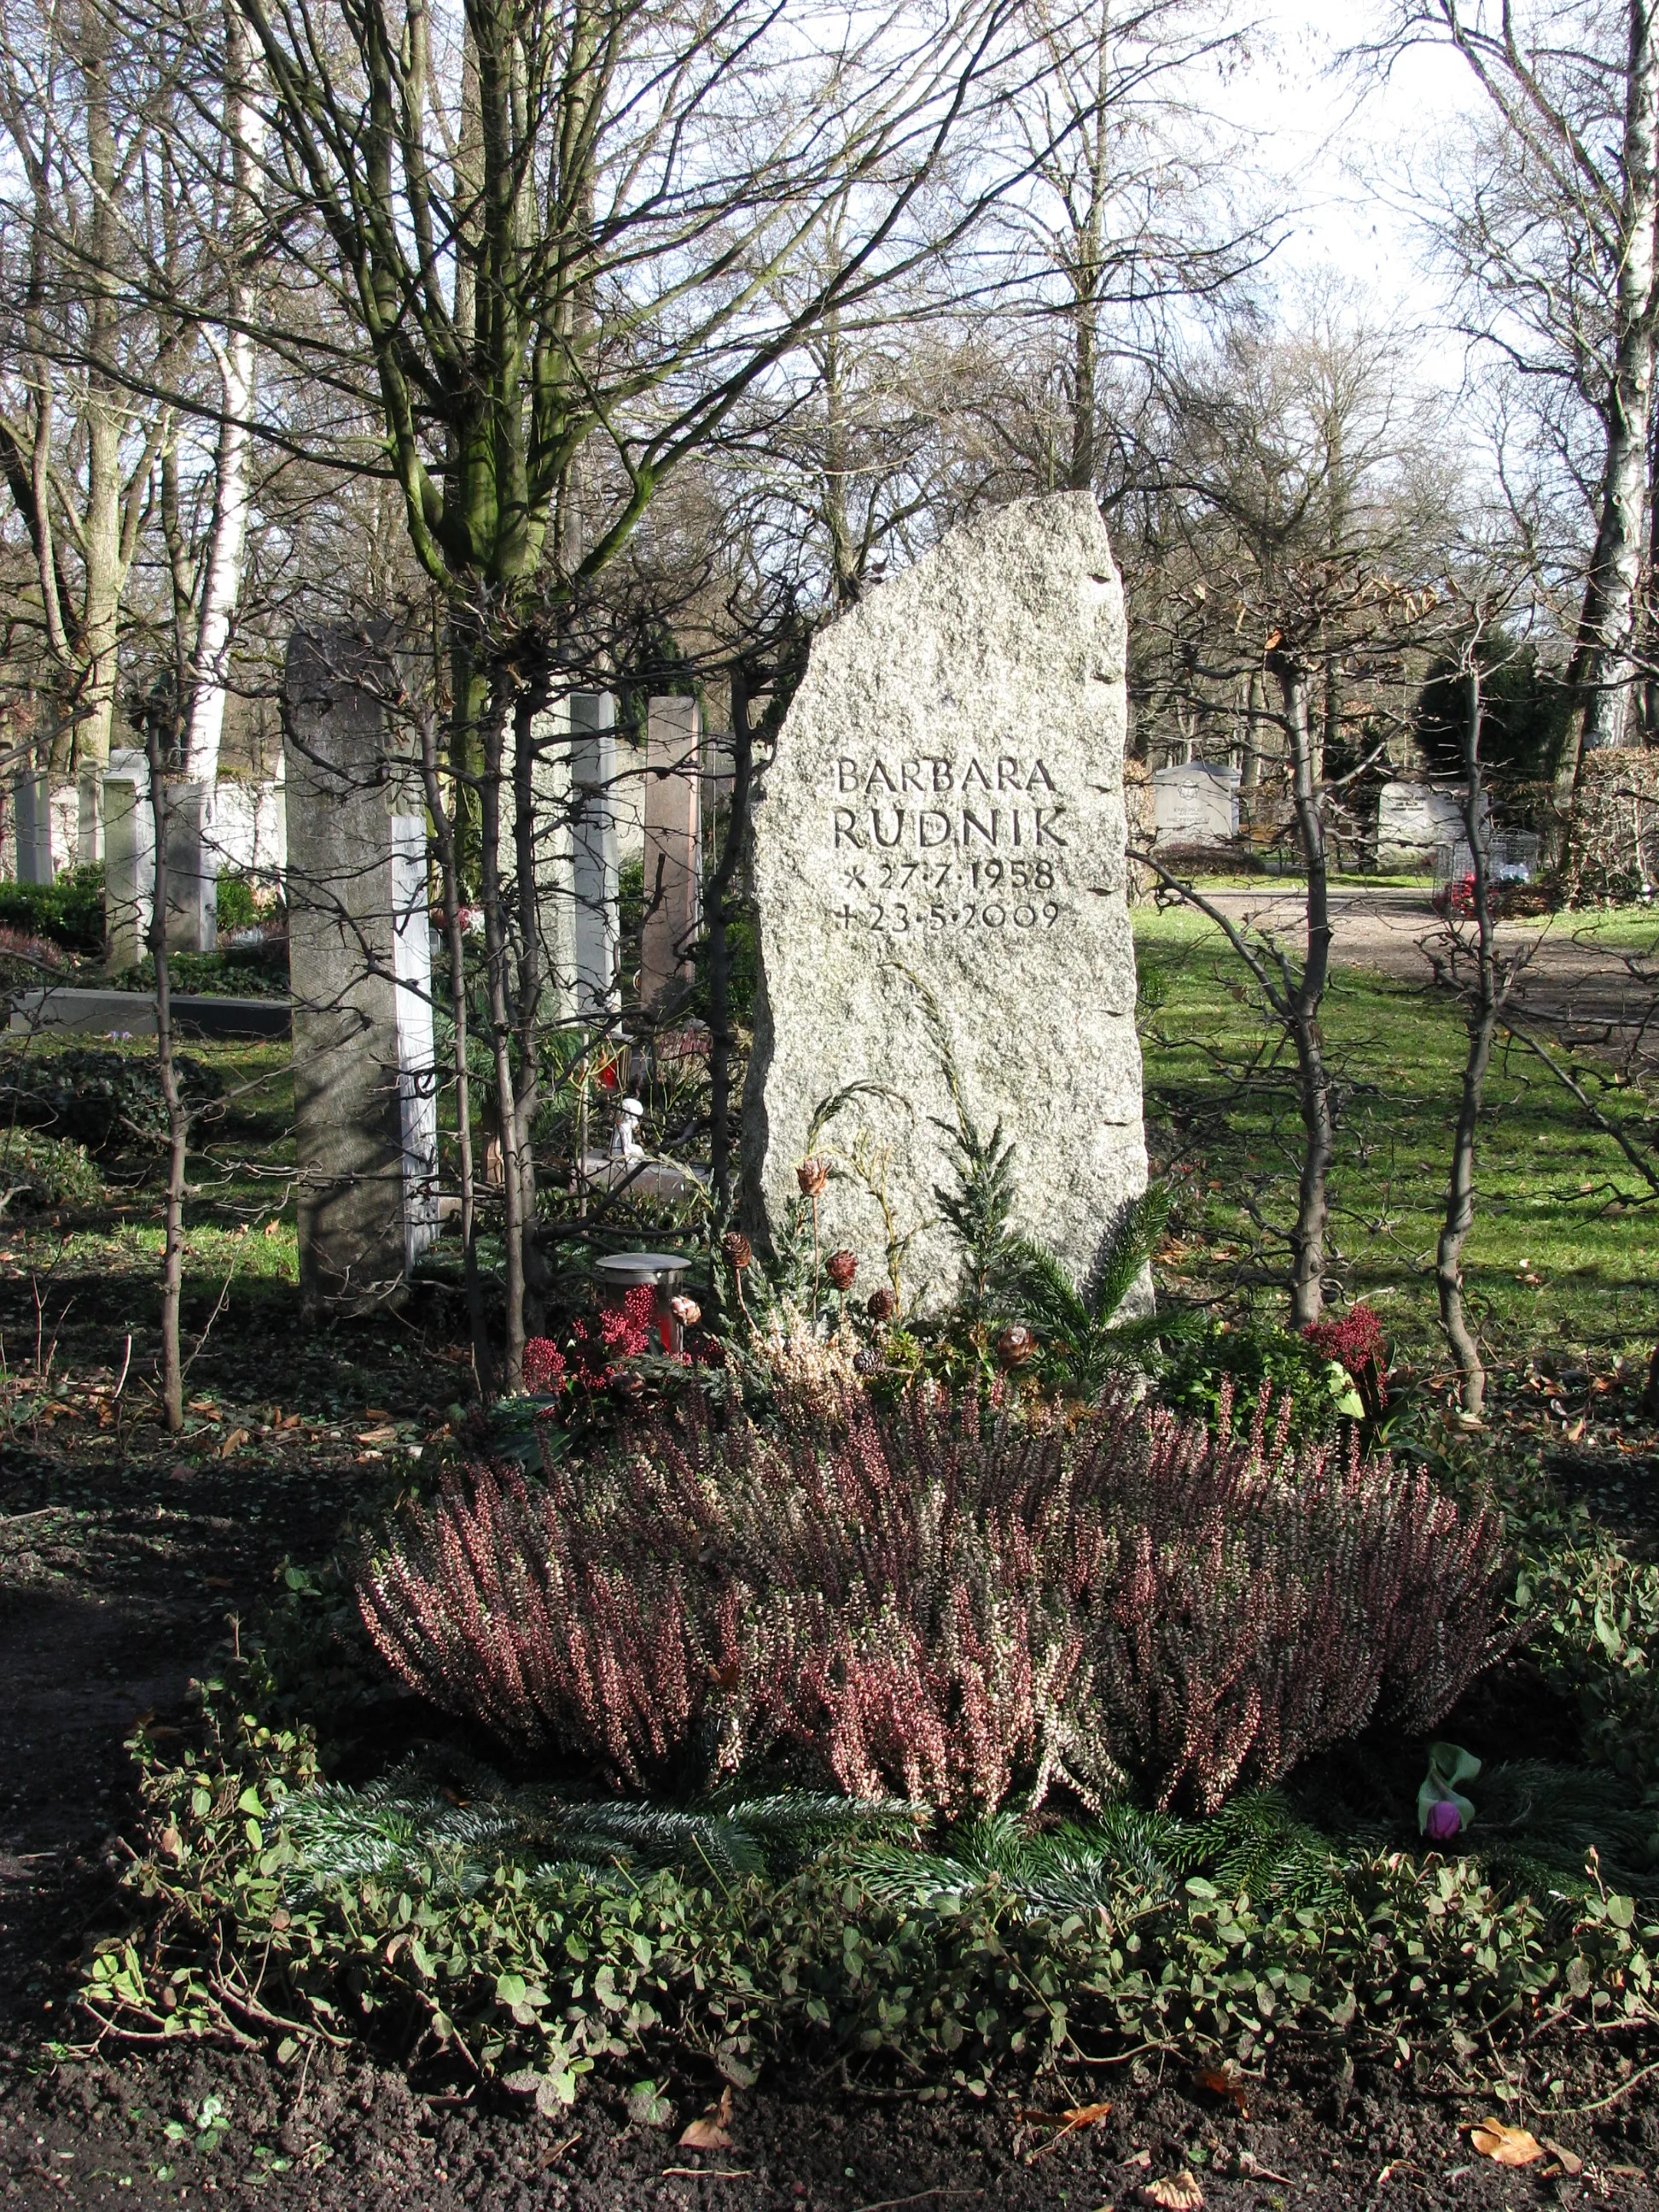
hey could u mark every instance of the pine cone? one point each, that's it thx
(739, 1252)
(813, 1176)
(881, 1305)
(1016, 1346)
(840, 1267)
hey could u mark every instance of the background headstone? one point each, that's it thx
(250, 828)
(1195, 805)
(192, 886)
(359, 960)
(129, 860)
(944, 814)
(593, 778)
(1412, 820)
(673, 848)
(556, 901)
(32, 814)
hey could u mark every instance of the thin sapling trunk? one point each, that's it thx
(502, 1028)
(443, 837)
(718, 917)
(173, 1250)
(1483, 1013)
(1304, 998)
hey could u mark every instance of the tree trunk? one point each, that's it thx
(1313, 1081)
(173, 1247)
(226, 542)
(1606, 655)
(527, 995)
(1250, 774)
(1482, 1025)
(720, 966)
(501, 1035)
(443, 834)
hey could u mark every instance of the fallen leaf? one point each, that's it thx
(1505, 2146)
(273, 1229)
(1570, 2161)
(1224, 2082)
(233, 1442)
(218, 1582)
(381, 1435)
(1064, 2123)
(1250, 2164)
(1174, 2192)
(710, 2131)
(1138, 2157)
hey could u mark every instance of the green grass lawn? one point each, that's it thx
(238, 1216)
(1564, 1252)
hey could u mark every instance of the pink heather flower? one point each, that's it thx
(1444, 1821)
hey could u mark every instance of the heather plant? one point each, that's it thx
(932, 1602)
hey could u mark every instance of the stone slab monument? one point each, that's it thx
(360, 958)
(673, 848)
(594, 779)
(129, 828)
(1414, 819)
(1195, 804)
(32, 813)
(940, 838)
(89, 815)
(192, 883)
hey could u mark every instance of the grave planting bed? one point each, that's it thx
(130, 1563)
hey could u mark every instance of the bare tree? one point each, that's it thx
(81, 103)
(1550, 225)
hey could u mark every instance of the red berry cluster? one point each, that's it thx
(1357, 1340)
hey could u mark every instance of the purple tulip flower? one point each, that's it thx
(1444, 1821)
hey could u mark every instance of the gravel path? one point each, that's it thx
(1585, 991)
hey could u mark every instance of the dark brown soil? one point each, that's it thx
(127, 1565)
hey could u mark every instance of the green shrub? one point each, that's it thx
(40, 1170)
(237, 909)
(241, 971)
(101, 1099)
(544, 1973)
(1596, 1635)
(69, 911)
(1197, 1363)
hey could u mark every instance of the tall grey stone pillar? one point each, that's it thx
(192, 888)
(32, 812)
(359, 962)
(550, 849)
(89, 821)
(129, 860)
(594, 781)
(673, 848)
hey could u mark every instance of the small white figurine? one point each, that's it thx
(625, 1144)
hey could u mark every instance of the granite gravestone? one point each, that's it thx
(943, 824)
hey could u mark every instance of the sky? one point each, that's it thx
(1343, 150)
